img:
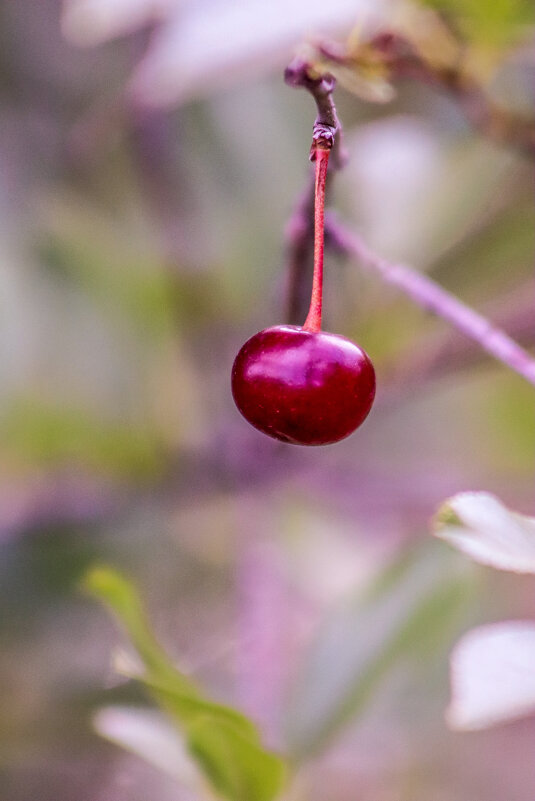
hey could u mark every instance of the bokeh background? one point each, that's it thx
(150, 159)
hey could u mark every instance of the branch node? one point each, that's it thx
(326, 130)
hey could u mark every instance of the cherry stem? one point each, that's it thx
(313, 320)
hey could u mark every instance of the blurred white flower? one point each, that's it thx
(493, 675)
(149, 735)
(492, 667)
(202, 46)
(480, 526)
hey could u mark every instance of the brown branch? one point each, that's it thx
(326, 132)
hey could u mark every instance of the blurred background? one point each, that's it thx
(150, 159)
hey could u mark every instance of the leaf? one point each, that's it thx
(493, 675)
(113, 589)
(147, 733)
(480, 526)
(489, 22)
(224, 743)
(235, 765)
(191, 707)
(406, 614)
(44, 433)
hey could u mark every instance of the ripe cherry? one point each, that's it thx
(304, 385)
(301, 386)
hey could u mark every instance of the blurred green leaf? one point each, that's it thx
(408, 613)
(118, 268)
(45, 434)
(510, 406)
(224, 742)
(492, 22)
(236, 766)
(119, 595)
(188, 705)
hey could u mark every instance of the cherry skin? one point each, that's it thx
(301, 386)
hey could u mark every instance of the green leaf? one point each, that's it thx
(119, 595)
(492, 22)
(224, 743)
(189, 706)
(407, 614)
(234, 764)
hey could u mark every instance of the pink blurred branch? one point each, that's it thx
(429, 295)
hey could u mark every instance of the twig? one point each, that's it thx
(440, 354)
(429, 295)
(327, 133)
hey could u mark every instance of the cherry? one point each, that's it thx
(301, 386)
(304, 385)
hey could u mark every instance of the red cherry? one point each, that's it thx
(300, 386)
